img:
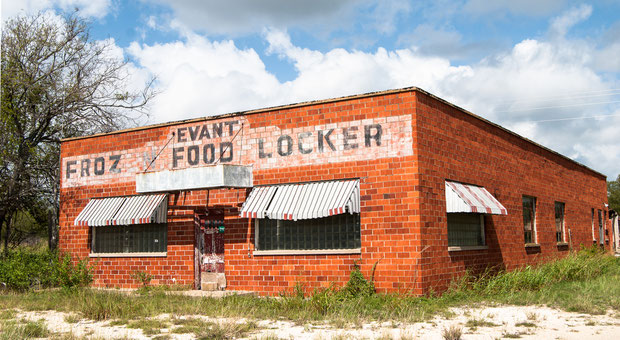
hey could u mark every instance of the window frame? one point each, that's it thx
(532, 232)
(258, 252)
(95, 253)
(481, 224)
(561, 236)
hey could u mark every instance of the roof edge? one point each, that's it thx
(250, 112)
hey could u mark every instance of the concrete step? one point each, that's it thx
(212, 281)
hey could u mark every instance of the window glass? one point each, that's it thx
(529, 219)
(559, 221)
(593, 235)
(333, 232)
(137, 238)
(601, 237)
(465, 229)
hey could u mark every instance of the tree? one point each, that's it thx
(56, 83)
(613, 194)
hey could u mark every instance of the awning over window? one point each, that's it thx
(140, 209)
(471, 199)
(303, 201)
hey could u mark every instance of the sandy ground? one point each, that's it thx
(529, 322)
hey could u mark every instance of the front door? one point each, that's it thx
(210, 251)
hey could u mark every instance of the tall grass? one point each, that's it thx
(581, 266)
(585, 282)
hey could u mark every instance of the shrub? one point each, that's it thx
(357, 285)
(73, 274)
(21, 270)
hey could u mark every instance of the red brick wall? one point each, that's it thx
(403, 219)
(388, 199)
(452, 145)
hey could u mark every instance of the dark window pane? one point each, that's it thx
(465, 230)
(144, 238)
(559, 221)
(529, 218)
(334, 232)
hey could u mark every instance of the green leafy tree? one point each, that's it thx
(56, 83)
(613, 194)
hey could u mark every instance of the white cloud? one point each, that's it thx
(87, 8)
(560, 25)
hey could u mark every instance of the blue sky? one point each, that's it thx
(546, 69)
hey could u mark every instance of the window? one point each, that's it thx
(136, 238)
(529, 219)
(559, 222)
(601, 232)
(334, 232)
(593, 234)
(465, 229)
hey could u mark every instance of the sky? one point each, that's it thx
(547, 69)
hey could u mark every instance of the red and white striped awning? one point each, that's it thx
(303, 201)
(471, 199)
(140, 209)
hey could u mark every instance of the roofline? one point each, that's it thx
(334, 100)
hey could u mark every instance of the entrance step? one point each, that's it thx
(212, 281)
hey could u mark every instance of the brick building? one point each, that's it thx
(264, 199)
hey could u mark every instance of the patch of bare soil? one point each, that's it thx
(527, 322)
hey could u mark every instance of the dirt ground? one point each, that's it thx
(528, 322)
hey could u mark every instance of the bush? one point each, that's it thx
(21, 270)
(357, 284)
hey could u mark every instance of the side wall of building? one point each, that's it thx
(453, 145)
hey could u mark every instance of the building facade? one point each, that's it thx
(268, 199)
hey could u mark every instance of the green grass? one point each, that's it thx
(149, 326)
(23, 330)
(584, 282)
(475, 323)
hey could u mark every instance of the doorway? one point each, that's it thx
(209, 251)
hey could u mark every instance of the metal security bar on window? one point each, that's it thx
(334, 232)
(465, 229)
(149, 238)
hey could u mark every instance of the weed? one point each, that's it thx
(590, 323)
(475, 323)
(229, 330)
(525, 324)
(149, 326)
(511, 335)
(531, 316)
(72, 318)
(454, 332)
(7, 314)
(143, 277)
(118, 322)
(162, 337)
(190, 325)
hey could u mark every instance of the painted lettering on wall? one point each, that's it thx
(322, 141)
(237, 141)
(94, 167)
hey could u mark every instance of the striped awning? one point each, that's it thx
(471, 199)
(140, 209)
(303, 201)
